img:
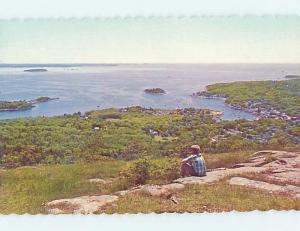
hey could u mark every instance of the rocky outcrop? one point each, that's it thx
(217, 175)
(289, 190)
(269, 166)
(282, 166)
(83, 205)
(94, 204)
(153, 190)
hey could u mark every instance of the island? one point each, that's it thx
(155, 91)
(22, 105)
(36, 70)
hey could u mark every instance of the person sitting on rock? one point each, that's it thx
(193, 165)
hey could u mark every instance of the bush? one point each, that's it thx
(133, 150)
(16, 156)
(165, 171)
(140, 172)
(156, 171)
(111, 116)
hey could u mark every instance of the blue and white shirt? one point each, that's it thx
(198, 164)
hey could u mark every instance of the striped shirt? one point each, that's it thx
(198, 164)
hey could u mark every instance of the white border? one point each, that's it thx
(233, 221)
(288, 221)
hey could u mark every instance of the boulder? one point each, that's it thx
(83, 205)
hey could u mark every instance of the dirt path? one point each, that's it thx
(276, 172)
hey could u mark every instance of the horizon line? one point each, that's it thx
(119, 63)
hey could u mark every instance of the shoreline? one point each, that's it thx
(266, 113)
(216, 114)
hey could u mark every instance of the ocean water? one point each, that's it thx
(82, 87)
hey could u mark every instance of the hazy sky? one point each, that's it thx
(152, 40)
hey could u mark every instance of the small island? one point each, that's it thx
(155, 91)
(36, 70)
(22, 105)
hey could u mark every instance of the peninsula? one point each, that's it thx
(265, 99)
(22, 105)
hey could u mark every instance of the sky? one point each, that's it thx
(232, 39)
(112, 8)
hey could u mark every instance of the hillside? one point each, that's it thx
(128, 159)
(134, 132)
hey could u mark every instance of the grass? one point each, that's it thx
(25, 189)
(206, 198)
(226, 160)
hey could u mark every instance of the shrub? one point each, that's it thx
(133, 150)
(111, 116)
(20, 155)
(156, 171)
(166, 171)
(140, 172)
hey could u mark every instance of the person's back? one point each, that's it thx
(194, 165)
(198, 163)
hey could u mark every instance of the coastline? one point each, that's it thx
(260, 106)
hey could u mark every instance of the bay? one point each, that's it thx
(85, 87)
